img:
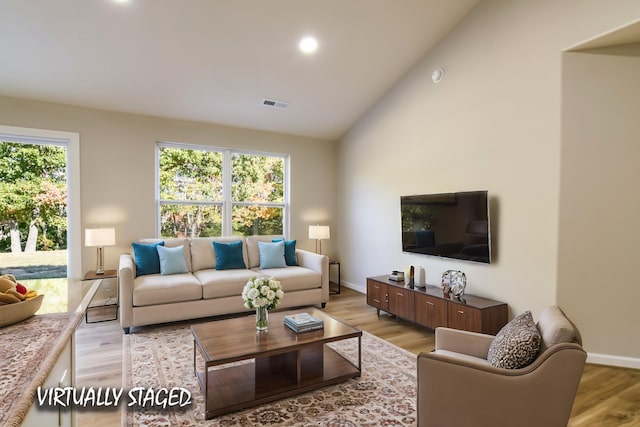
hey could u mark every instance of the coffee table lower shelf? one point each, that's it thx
(265, 379)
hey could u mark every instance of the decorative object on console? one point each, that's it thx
(100, 237)
(319, 233)
(454, 282)
(396, 276)
(262, 293)
(409, 276)
(420, 280)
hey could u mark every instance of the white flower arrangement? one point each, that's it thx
(262, 292)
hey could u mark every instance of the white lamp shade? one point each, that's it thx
(319, 232)
(99, 237)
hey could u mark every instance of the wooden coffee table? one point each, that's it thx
(277, 363)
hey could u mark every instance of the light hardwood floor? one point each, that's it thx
(607, 396)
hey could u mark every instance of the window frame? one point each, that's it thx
(227, 203)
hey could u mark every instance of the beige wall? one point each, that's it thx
(117, 167)
(494, 123)
(599, 197)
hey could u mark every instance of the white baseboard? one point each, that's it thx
(611, 360)
(358, 288)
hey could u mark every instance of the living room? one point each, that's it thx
(516, 113)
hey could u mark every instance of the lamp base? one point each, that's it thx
(100, 256)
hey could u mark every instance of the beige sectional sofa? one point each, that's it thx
(205, 291)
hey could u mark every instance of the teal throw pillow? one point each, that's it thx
(228, 255)
(289, 251)
(271, 255)
(172, 260)
(146, 258)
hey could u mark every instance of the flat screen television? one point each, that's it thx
(448, 225)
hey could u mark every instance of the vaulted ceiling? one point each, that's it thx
(217, 60)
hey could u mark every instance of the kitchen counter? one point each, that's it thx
(28, 350)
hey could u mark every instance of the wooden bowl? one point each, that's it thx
(13, 313)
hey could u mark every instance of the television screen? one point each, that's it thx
(450, 225)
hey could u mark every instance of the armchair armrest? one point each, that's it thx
(126, 274)
(465, 342)
(318, 263)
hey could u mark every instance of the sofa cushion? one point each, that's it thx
(271, 255)
(146, 258)
(516, 345)
(253, 252)
(293, 278)
(229, 255)
(223, 283)
(172, 260)
(289, 251)
(203, 256)
(554, 327)
(156, 289)
(173, 242)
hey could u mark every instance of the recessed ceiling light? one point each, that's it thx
(308, 45)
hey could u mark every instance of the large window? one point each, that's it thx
(214, 192)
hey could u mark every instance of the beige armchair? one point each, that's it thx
(458, 387)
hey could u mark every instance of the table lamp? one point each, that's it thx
(320, 233)
(100, 237)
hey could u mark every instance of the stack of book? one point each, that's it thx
(303, 322)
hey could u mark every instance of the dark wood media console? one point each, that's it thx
(429, 307)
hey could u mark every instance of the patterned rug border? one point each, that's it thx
(384, 394)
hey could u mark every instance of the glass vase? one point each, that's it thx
(262, 318)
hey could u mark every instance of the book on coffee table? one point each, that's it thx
(303, 322)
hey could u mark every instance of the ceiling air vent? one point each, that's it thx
(274, 104)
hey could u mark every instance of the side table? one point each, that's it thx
(110, 303)
(334, 262)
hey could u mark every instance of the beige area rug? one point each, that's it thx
(384, 395)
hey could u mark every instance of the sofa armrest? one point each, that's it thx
(465, 342)
(318, 263)
(126, 274)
